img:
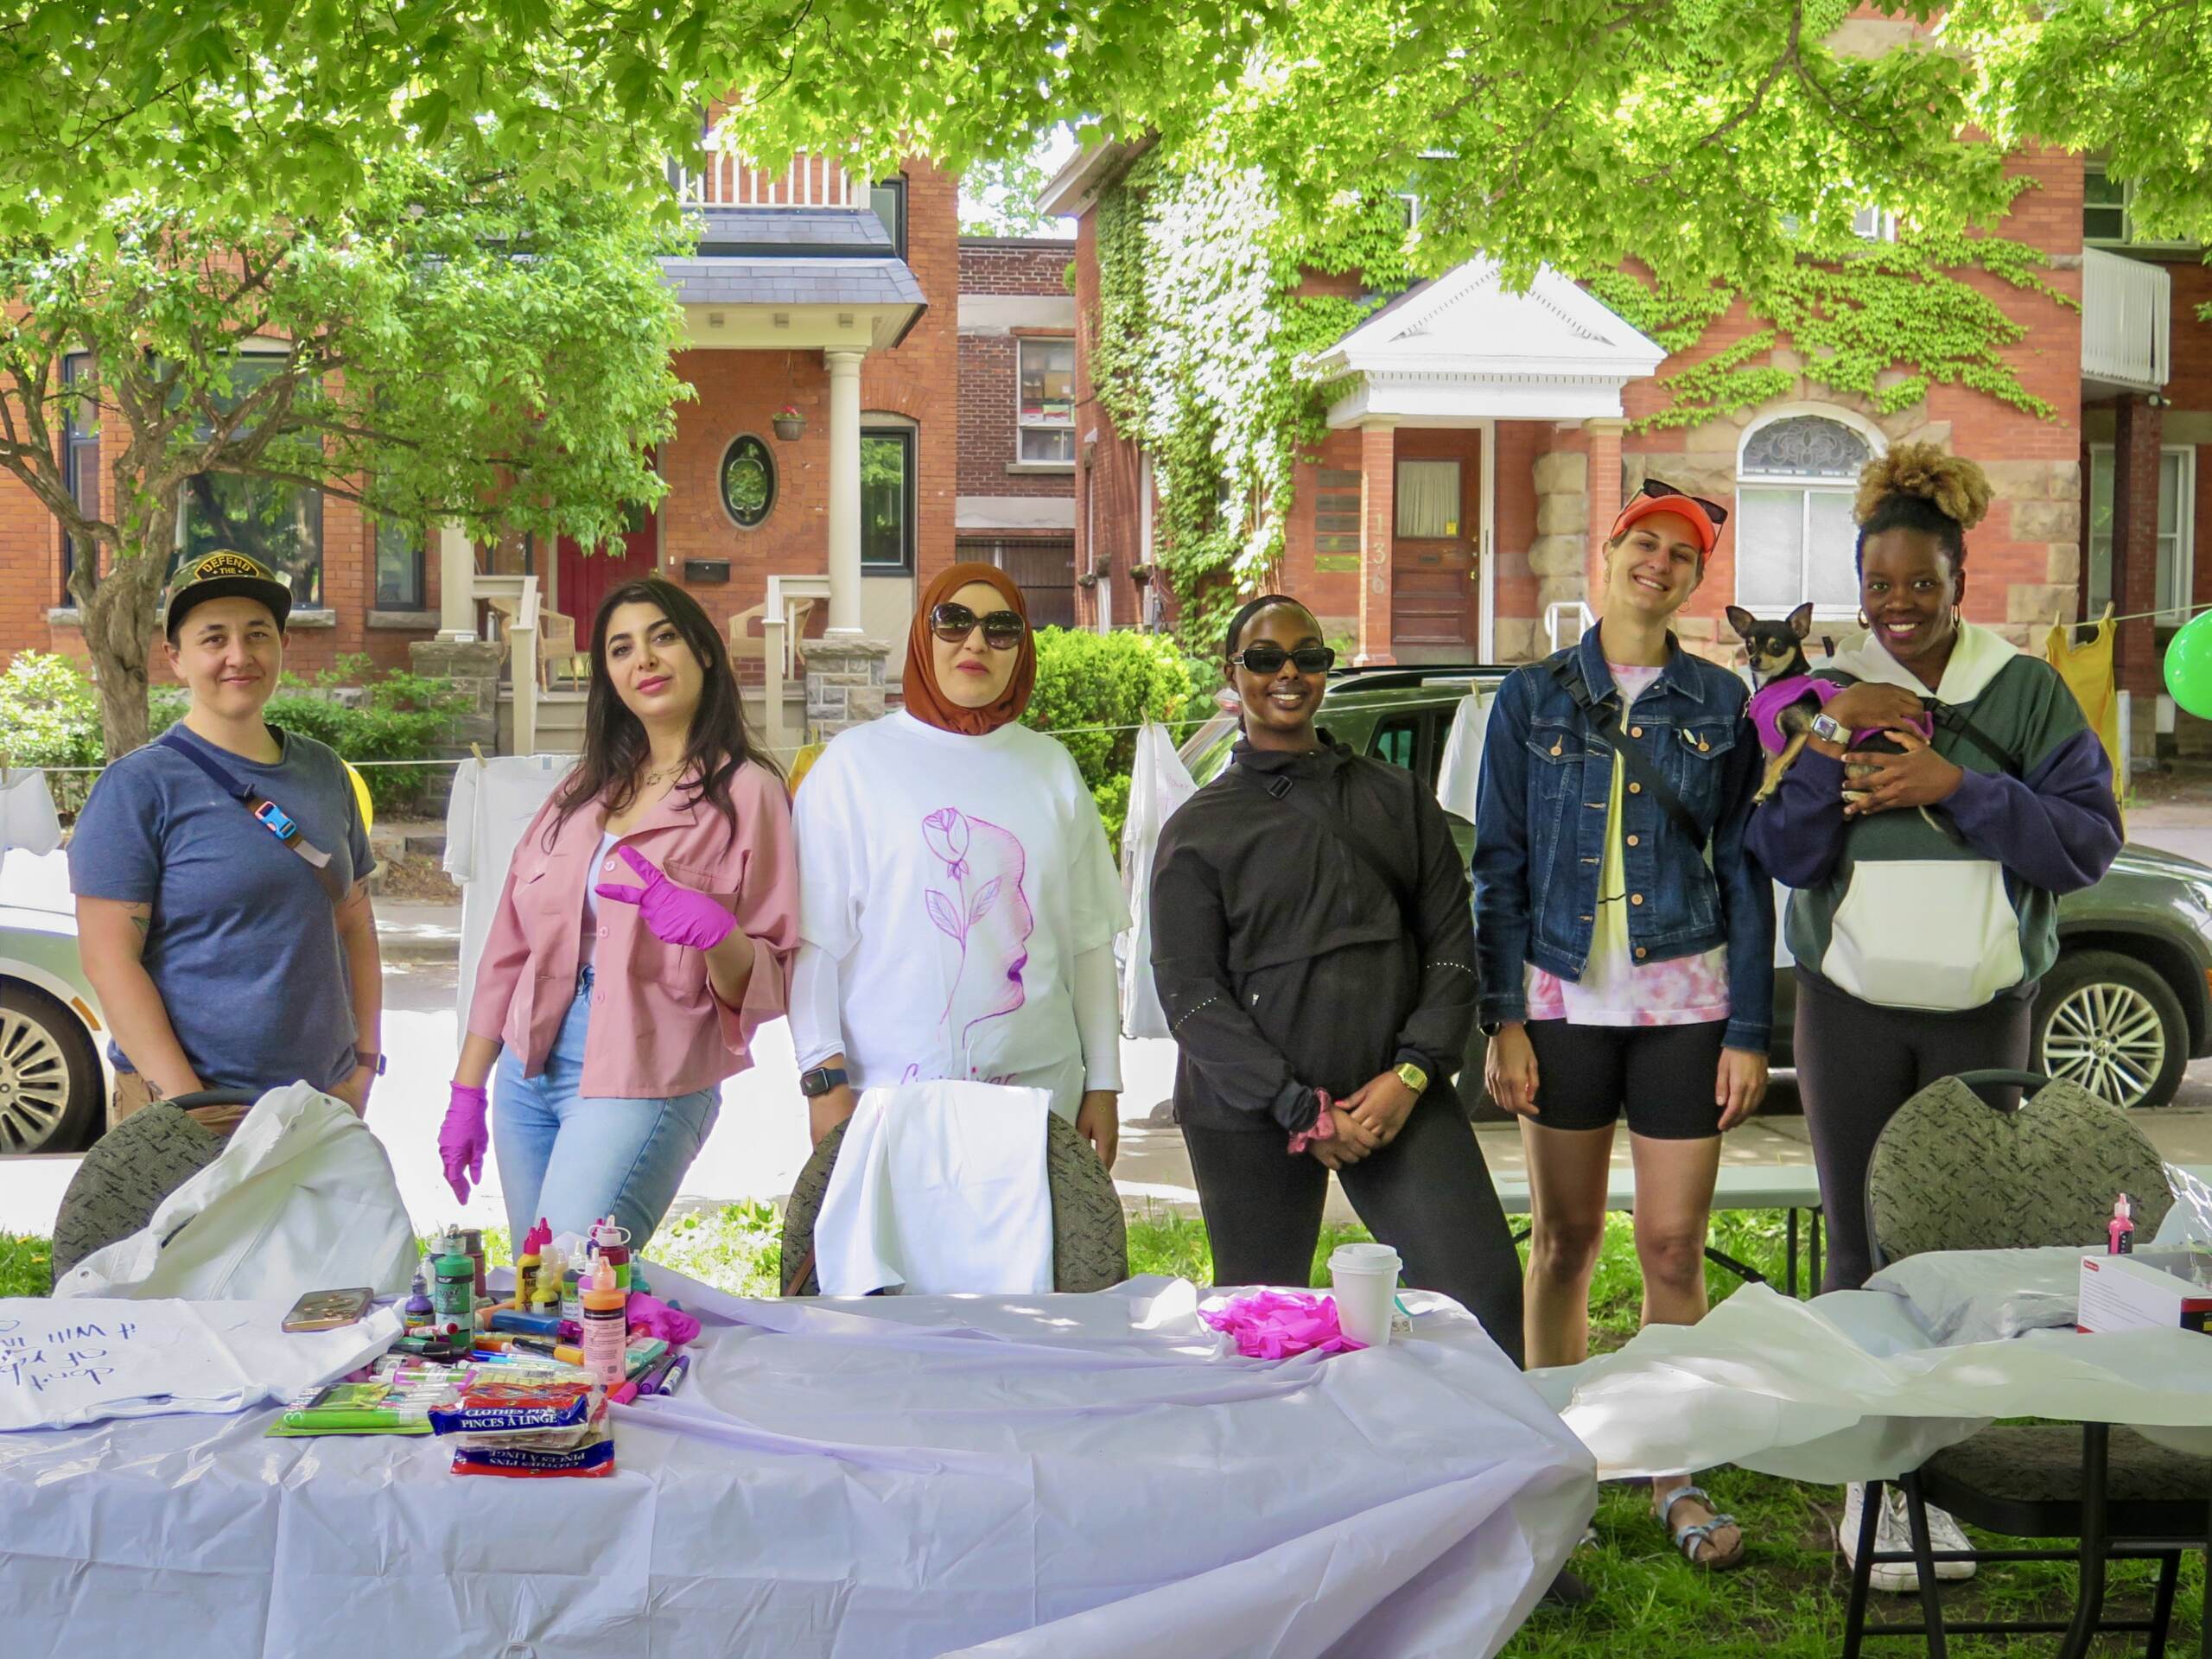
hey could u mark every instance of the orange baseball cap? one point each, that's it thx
(1704, 517)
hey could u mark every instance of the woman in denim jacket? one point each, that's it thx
(1626, 943)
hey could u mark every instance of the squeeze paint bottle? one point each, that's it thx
(606, 1329)
(613, 1247)
(572, 1301)
(454, 1299)
(527, 1262)
(418, 1311)
(2120, 1231)
(545, 1298)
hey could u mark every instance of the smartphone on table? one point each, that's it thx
(327, 1310)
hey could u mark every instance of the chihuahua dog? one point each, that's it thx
(1775, 652)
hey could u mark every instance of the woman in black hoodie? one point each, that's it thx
(1314, 948)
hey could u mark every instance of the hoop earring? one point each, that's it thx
(1863, 621)
(1958, 620)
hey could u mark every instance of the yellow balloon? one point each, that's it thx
(361, 796)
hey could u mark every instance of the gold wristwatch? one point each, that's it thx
(1414, 1077)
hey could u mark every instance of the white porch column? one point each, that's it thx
(844, 491)
(456, 584)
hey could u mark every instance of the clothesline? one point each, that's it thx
(463, 759)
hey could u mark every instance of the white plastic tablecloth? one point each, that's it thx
(1050, 1475)
(1851, 1386)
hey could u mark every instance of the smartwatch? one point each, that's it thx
(1830, 730)
(375, 1062)
(820, 1080)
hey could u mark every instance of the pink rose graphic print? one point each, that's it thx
(980, 907)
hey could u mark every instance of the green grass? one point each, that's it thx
(1785, 1603)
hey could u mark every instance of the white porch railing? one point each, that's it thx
(1557, 613)
(809, 182)
(2126, 313)
(513, 599)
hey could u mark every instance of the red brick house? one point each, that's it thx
(1016, 503)
(1455, 510)
(810, 289)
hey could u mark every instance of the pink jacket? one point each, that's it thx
(656, 1027)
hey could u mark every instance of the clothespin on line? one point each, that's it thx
(477, 749)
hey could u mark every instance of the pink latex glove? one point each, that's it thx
(1277, 1324)
(649, 1316)
(677, 915)
(462, 1139)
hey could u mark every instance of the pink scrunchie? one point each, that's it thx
(1277, 1324)
(1771, 699)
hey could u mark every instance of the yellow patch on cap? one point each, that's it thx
(227, 564)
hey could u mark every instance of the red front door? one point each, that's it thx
(587, 579)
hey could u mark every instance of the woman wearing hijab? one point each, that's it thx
(958, 903)
(1314, 952)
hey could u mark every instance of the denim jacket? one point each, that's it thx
(1540, 834)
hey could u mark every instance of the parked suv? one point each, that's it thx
(2126, 1007)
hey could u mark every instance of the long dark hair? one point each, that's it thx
(615, 749)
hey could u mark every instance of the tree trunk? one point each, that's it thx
(119, 629)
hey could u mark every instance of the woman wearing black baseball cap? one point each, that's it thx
(221, 875)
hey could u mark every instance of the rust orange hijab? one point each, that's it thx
(925, 700)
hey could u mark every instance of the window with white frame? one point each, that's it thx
(1795, 539)
(2177, 532)
(1429, 499)
(2107, 215)
(1045, 405)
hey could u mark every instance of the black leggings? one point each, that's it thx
(1428, 1195)
(1856, 1064)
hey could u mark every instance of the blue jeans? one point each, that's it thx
(573, 1160)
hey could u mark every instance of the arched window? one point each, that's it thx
(1794, 478)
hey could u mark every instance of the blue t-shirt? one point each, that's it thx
(244, 945)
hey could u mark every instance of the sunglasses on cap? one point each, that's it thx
(1659, 491)
(1270, 659)
(953, 623)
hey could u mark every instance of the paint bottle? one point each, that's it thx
(613, 1246)
(572, 1305)
(2119, 1232)
(417, 1313)
(546, 1295)
(471, 1246)
(527, 1261)
(607, 1330)
(453, 1299)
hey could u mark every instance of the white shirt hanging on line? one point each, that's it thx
(492, 804)
(950, 886)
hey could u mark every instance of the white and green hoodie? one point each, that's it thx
(1947, 907)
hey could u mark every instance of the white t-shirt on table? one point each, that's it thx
(952, 883)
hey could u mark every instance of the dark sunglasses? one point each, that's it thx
(1270, 659)
(952, 623)
(1659, 491)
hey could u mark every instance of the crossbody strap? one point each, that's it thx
(1304, 802)
(1603, 720)
(1952, 717)
(271, 816)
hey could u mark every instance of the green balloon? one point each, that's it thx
(2189, 665)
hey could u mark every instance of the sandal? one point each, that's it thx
(1698, 1536)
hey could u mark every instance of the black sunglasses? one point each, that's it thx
(1270, 659)
(953, 623)
(1659, 491)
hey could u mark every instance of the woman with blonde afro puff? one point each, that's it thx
(1927, 869)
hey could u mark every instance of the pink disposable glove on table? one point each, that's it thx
(677, 915)
(462, 1139)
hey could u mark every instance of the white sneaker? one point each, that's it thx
(1890, 1533)
(1944, 1533)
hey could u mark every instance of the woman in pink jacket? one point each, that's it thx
(645, 931)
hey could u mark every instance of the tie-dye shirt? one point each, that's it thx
(1615, 989)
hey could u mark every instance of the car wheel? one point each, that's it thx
(2112, 1025)
(49, 1076)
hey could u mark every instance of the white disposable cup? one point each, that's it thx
(1365, 1279)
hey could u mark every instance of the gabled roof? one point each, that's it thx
(792, 232)
(1465, 346)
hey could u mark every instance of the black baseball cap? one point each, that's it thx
(223, 574)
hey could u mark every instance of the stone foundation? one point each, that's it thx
(472, 667)
(845, 685)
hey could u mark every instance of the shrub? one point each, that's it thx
(51, 715)
(1093, 690)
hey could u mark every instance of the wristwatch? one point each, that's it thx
(1830, 730)
(374, 1061)
(820, 1080)
(1414, 1077)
